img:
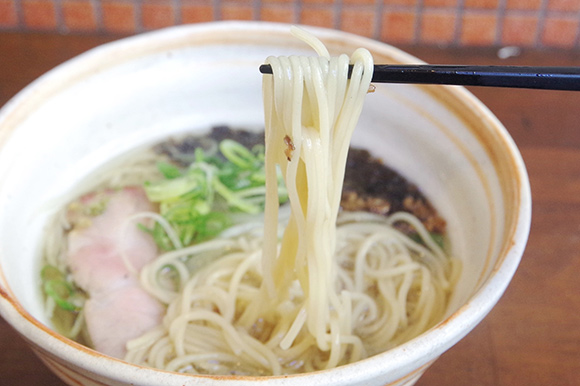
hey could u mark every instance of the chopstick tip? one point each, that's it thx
(266, 69)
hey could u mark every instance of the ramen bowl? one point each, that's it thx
(90, 111)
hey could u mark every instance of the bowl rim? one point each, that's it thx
(393, 362)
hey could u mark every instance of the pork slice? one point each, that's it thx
(101, 245)
(113, 318)
(105, 253)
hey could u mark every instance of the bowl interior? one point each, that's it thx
(88, 113)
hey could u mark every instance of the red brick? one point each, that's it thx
(478, 29)
(560, 31)
(79, 15)
(8, 13)
(317, 16)
(276, 13)
(119, 17)
(193, 13)
(398, 27)
(438, 27)
(360, 22)
(481, 4)
(157, 15)
(519, 30)
(39, 14)
(237, 12)
(523, 4)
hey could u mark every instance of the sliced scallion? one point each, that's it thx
(63, 294)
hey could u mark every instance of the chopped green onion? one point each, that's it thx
(168, 170)
(234, 199)
(159, 236)
(214, 223)
(169, 189)
(63, 294)
(237, 154)
(50, 272)
(196, 201)
(437, 238)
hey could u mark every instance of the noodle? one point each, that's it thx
(317, 107)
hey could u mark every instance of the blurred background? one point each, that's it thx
(458, 23)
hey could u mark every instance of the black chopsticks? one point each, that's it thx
(547, 78)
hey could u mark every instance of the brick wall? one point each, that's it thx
(526, 23)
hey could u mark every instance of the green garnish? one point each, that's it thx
(196, 200)
(65, 294)
(237, 154)
(168, 170)
(50, 272)
(437, 237)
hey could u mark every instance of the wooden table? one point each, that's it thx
(532, 337)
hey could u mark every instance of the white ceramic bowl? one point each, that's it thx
(130, 93)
